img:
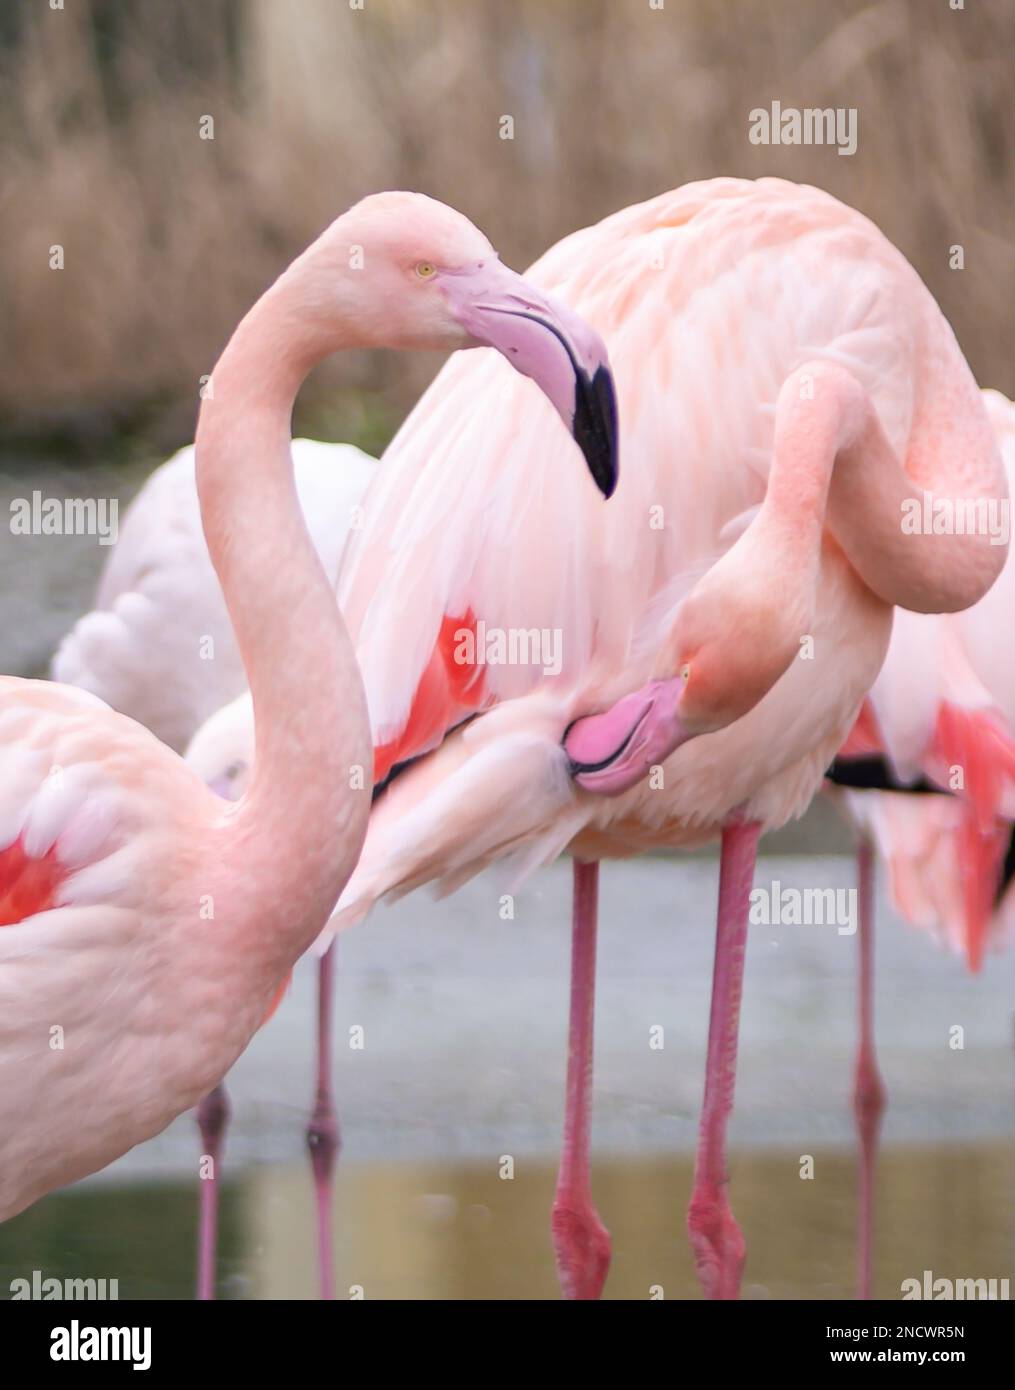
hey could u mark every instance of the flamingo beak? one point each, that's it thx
(226, 786)
(611, 752)
(545, 340)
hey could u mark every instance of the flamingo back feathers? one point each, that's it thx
(27, 884)
(481, 506)
(84, 795)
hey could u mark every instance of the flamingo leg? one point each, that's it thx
(323, 1138)
(581, 1242)
(212, 1119)
(715, 1236)
(868, 1088)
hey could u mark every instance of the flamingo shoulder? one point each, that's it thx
(83, 794)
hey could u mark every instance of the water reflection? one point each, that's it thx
(443, 1231)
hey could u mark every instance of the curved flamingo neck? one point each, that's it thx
(835, 474)
(833, 465)
(296, 835)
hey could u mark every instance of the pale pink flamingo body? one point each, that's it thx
(772, 352)
(144, 918)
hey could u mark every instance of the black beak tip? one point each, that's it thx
(595, 427)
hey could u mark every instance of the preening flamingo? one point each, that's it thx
(935, 748)
(159, 647)
(772, 352)
(147, 923)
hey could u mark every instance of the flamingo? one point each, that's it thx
(943, 703)
(787, 384)
(148, 923)
(159, 647)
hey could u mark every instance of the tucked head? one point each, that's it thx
(732, 639)
(402, 270)
(222, 750)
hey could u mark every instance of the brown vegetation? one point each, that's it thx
(168, 237)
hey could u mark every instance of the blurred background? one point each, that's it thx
(167, 238)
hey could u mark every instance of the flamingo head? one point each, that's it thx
(221, 752)
(411, 272)
(611, 752)
(731, 641)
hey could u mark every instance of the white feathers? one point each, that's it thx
(497, 788)
(57, 801)
(102, 881)
(222, 750)
(90, 831)
(72, 809)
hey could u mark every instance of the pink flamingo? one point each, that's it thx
(777, 361)
(159, 647)
(148, 924)
(943, 704)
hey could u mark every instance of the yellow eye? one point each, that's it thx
(426, 270)
(685, 671)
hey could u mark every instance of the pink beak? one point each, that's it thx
(611, 752)
(545, 340)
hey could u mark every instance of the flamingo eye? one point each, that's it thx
(426, 270)
(685, 672)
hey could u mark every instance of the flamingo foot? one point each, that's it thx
(717, 1242)
(212, 1120)
(581, 1246)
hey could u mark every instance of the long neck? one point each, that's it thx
(834, 466)
(835, 474)
(295, 837)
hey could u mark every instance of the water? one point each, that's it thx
(464, 1020)
(457, 1231)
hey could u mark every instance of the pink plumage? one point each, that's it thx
(29, 884)
(713, 297)
(944, 707)
(152, 923)
(787, 387)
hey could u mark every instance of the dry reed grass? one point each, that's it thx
(168, 237)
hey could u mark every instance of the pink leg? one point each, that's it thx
(581, 1242)
(715, 1236)
(868, 1088)
(323, 1138)
(212, 1119)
